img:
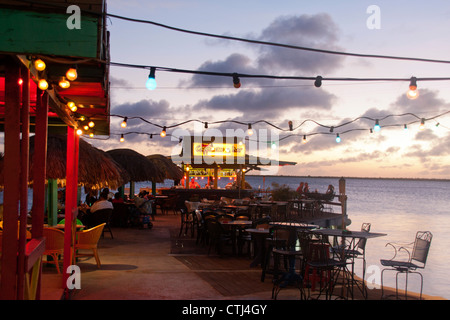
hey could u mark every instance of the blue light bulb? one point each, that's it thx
(338, 138)
(150, 84)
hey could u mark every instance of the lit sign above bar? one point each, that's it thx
(219, 149)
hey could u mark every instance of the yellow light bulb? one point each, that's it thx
(86, 127)
(79, 132)
(39, 65)
(91, 124)
(64, 84)
(43, 84)
(72, 106)
(91, 134)
(412, 94)
(71, 74)
(122, 139)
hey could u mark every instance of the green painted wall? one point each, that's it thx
(25, 32)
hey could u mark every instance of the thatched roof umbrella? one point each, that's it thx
(96, 169)
(138, 167)
(166, 166)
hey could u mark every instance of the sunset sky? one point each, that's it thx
(406, 28)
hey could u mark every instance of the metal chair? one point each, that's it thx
(416, 260)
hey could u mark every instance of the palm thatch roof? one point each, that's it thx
(96, 169)
(138, 167)
(165, 164)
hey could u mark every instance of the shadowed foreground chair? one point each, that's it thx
(417, 259)
(88, 240)
(54, 245)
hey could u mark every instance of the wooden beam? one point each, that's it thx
(24, 165)
(8, 287)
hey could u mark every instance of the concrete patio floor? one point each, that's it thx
(138, 265)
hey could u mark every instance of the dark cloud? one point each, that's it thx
(143, 108)
(269, 103)
(313, 31)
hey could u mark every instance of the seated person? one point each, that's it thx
(117, 198)
(102, 202)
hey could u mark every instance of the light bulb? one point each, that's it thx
(236, 81)
(71, 74)
(86, 127)
(318, 82)
(124, 123)
(72, 106)
(304, 139)
(338, 138)
(377, 126)
(91, 134)
(39, 65)
(422, 124)
(163, 132)
(151, 82)
(250, 130)
(20, 82)
(91, 124)
(64, 84)
(43, 84)
(412, 94)
(122, 139)
(79, 132)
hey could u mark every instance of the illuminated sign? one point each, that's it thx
(218, 149)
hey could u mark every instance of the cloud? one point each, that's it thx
(313, 31)
(269, 103)
(428, 103)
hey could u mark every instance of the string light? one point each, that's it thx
(163, 132)
(124, 122)
(72, 74)
(249, 130)
(122, 139)
(72, 106)
(405, 127)
(91, 124)
(236, 81)
(39, 65)
(338, 138)
(151, 82)
(377, 126)
(412, 93)
(43, 84)
(290, 125)
(318, 82)
(63, 83)
(79, 132)
(422, 124)
(304, 139)
(20, 82)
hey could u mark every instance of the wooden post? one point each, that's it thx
(343, 200)
(71, 200)
(8, 287)
(216, 176)
(40, 168)
(24, 165)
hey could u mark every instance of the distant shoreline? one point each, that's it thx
(336, 177)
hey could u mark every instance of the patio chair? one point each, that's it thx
(217, 236)
(357, 253)
(187, 222)
(88, 240)
(417, 259)
(54, 245)
(319, 261)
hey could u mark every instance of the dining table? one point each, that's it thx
(236, 228)
(349, 241)
(259, 235)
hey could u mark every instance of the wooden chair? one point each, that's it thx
(54, 245)
(88, 240)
